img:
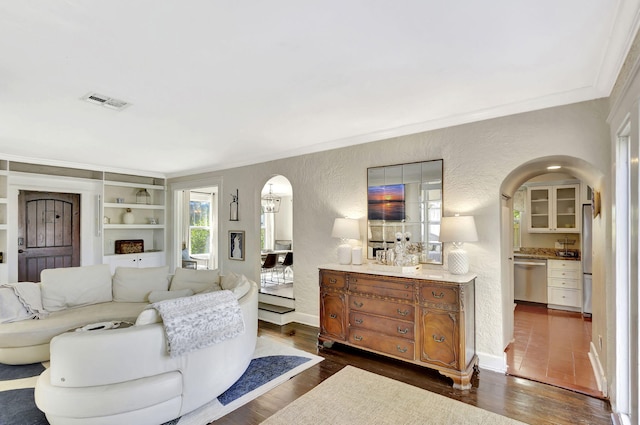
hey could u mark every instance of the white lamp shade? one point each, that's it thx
(458, 229)
(346, 228)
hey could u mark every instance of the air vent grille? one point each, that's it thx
(106, 101)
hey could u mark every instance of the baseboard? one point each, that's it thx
(307, 319)
(598, 371)
(492, 362)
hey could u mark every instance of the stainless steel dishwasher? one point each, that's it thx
(530, 280)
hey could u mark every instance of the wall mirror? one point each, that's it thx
(405, 198)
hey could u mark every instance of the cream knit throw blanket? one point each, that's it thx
(199, 321)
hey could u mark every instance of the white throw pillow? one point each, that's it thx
(75, 286)
(237, 283)
(155, 296)
(196, 280)
(148, 316)
(132, 285)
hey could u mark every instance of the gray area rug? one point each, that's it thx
(356, 397)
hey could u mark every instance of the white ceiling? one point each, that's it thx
(216, 84)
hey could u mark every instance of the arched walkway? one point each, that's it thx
(588, 176)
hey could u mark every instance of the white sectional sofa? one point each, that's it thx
(69, 298)
(126, 376)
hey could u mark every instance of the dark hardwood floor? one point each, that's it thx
(527, 401)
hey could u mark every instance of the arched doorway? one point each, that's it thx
(542, 339)
(276, 238)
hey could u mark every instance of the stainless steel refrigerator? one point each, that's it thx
(587, 221)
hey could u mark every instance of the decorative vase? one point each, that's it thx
(128, 218)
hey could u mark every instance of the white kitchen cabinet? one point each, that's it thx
(554, 208)
(564, 285)
(144, 259)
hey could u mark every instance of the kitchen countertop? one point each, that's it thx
(544, 254)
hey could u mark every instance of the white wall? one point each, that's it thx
(284, 219)
(477, 158)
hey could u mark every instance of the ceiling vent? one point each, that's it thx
(106, 101)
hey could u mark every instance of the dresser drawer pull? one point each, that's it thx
(333, 316)
(440, 295)
(357, 304)
(357, 337)
(354, 280)
(359, 321)
(333, 281)
(436, 339)
(401, 349)
(403, 312)
(403, 331)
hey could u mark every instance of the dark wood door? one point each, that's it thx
(48, 232)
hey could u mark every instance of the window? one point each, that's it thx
(201, 226)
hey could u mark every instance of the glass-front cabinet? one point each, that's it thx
(554, 208)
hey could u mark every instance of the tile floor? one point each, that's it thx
(552, 346)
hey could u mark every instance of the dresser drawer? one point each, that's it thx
(564, 297)
(563, 283)
(364, 284)
(382, 325)
(563, 274)
(439, 294)
(330, 279)
(382, 308)
(393, 346)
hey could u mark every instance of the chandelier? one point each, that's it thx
(270, 203)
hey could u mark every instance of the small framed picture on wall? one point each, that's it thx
(236, 245)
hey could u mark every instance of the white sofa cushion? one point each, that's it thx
(196, 280)
(75, 286)
(155, 296)
(132, 285)
(237, 283)
(11, 309)
(35, 332)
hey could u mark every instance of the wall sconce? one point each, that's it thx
(233, 207)
(458, 229)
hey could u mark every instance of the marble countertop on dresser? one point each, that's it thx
(426, 274)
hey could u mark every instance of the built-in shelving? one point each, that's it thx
(120, 195)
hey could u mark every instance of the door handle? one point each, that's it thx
(20, 251)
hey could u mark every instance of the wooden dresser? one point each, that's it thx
(426, 318)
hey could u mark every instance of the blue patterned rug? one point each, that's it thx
(272, 364)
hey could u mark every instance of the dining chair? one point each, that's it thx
(270, 263)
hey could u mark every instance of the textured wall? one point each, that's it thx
(477, 158)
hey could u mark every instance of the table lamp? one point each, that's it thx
(345, 229)
(458, 229)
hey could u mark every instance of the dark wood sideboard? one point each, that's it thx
(427, 319)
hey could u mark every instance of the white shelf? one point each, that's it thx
(134, 206)
(3, 200)
(3, 227)
(133, 226)
(134, 185)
